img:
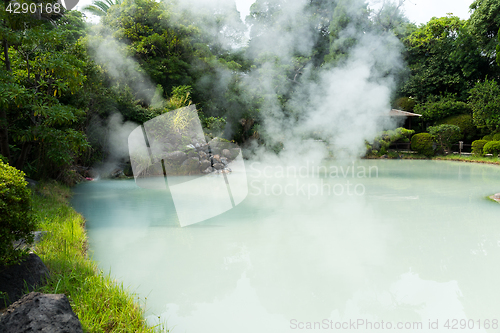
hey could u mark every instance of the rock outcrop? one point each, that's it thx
(38, 312)
(14, 279)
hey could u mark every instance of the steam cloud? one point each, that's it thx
(342, 105)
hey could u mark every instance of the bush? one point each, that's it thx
(496, 137)
(477, 147)
(405, 104)
(422, 143)
(16, 221)
(442, 107)
(492, 147)
(445, 135)
(488, 137)
(386, 138)
(465, 122)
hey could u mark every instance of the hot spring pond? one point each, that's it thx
(408, 245)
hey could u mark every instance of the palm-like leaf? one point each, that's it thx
(100, 8)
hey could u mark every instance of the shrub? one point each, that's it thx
(442, 107)
(488, 137)
(492, 147)
(422, 143)
(16, 221)
(405, 103)
(477, 147)
(445, 135)
(496, 137)
(386, 138)
(465, 122)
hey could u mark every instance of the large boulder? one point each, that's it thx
(14, 279)
(37, 312)
(190, 166)
(177, 157)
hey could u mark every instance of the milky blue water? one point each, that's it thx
(405, 243)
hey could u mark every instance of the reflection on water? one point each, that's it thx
(419, 245)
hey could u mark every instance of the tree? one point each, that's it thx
(484, 24)
(41, 70)
(443, 58)
(445, 135)
(485, 102)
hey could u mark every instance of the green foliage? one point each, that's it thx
(444, 58)
(423, 144)
(100, 8)
(405, 104)
(488, 137)
(16, 221)
(4, 159)
(465, 122)
(496, 137)
(477, 147)
(484, 23)
(384, 140)
(212, 126)
(485, 102)
(445, 135)
(438, 108)
(492, 147)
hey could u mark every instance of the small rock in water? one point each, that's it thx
(218, 166)
(223, 160)
(208, 170)
(497, 196)
(226, 153)
(204, 164)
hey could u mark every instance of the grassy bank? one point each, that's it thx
(102, 304)
(472, 159)
(452, 157)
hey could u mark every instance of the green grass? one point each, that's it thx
(101, 303)
(473, 159)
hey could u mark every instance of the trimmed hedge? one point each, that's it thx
(16, 220)
(492, 147)
(477, 147)
(422, 143)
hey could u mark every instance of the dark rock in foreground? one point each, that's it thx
(37, 312)
(31, 273)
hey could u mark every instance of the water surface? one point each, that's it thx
(415, 242)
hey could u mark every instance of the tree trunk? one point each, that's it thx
(6, 54)
(4, 136)
(24, 153)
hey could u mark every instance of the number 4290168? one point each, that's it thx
(455, 324)
(32, 8)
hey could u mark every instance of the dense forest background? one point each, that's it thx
(69, 90)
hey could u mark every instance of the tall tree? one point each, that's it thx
(484, 24)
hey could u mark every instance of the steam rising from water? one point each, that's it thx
(343, 104)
